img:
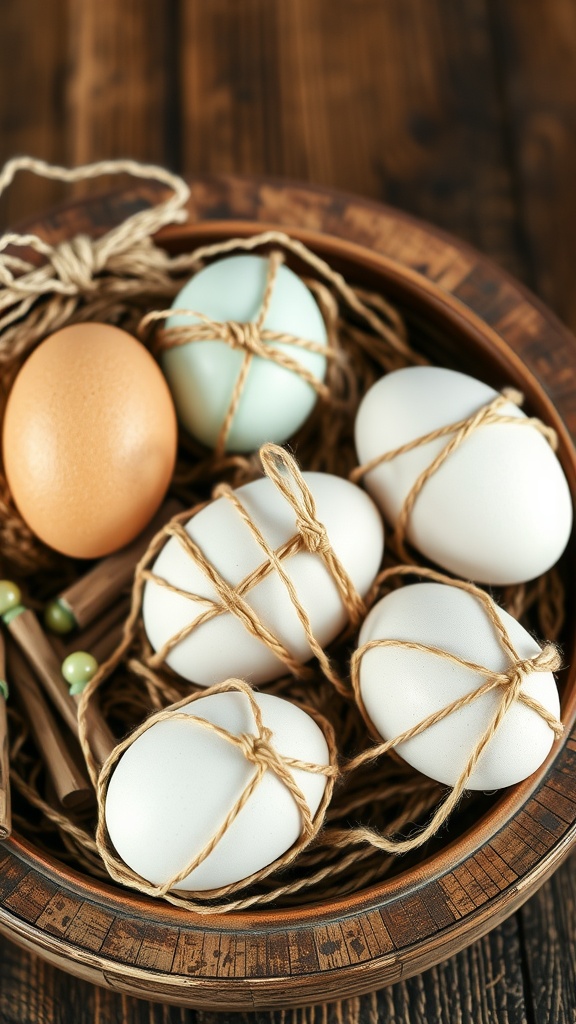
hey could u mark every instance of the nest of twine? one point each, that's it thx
(123, 278)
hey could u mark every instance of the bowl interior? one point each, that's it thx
(450, 335)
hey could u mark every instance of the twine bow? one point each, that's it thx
(486, 415)
(259, 750)
(509, 682)
(69, 269)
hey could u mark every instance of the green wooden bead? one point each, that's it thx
(10, 596)
(4, 689)
(78, 669)
(58, 617)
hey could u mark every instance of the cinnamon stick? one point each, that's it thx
(38, 651)
(5, 805)
(71, 784)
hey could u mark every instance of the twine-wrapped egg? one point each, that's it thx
(253, 372)
(497, 508)
(263, 578)
(217, 790)
(428, 645)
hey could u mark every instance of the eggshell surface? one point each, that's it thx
(223, 647)
(89, 440)
(275, 401)
(498, 510)
(174, 787)
(401, 687)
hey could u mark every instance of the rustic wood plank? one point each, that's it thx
(394, 100)
(121, 81)
(482, 984)
(32, 98)
(548, 933)
(537, 55)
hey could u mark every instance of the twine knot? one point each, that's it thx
(245, 336)
(314, 536)
(547, 660)
(258, 749)
(75, 263)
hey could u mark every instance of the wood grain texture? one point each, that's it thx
(33, 70)
(483, 983)
(291, 89)
(120, 82)
(536, 49)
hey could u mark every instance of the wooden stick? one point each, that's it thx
(37, 649)
(5, 805)
(70, 783)
(90, 595)
(100, 638)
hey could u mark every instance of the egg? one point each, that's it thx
(89, 439)
(222, 646)
(275, 401)
(174, 786)
(498, 510)
(401, 687)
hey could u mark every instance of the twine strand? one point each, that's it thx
(510, 682)
(458, 432)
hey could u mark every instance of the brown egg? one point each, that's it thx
(89, 439)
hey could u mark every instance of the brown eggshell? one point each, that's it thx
(89, 440)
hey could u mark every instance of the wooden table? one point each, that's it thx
(460, 113)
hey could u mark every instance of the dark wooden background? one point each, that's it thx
(460, 111)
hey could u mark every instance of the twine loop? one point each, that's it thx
(487, 415)
(548, 659)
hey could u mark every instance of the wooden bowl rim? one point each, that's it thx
(459, 316)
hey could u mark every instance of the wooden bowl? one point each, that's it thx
(473, 316)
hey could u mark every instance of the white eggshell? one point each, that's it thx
(498, 510)
(401, 687)
(175, 785)
(222, 647)
(275, 402)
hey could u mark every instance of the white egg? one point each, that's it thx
(275, 401)
(173, 788)
(401, 687)
(498, 510)
(223, 647)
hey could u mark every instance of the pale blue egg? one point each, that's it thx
(275, 401)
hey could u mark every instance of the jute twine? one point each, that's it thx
(509, 682)
(457, 432)
(259, 750)
(118, 279)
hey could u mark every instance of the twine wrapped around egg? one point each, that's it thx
(509, 682)
(259, 750)
(457, 433)
(119, 278)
